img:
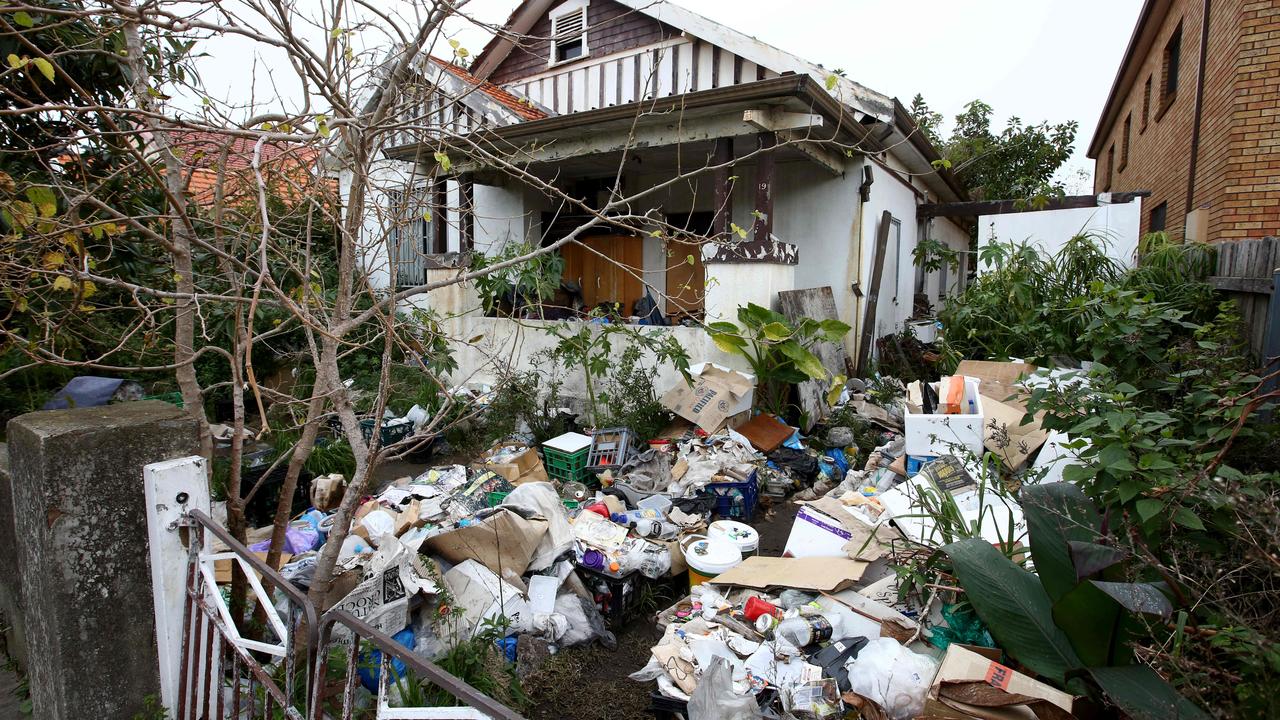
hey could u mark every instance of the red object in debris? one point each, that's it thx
(600, 509)
(756, 607)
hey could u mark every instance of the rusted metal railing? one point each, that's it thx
(360, 637)
(225, 674)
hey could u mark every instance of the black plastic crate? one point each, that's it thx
(610, 448)
(617, 599)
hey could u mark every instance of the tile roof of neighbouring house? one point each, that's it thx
(521, 107)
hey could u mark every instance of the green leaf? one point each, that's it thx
(45, 67)
(1090, 559)
(1186, 518)
(1058, 513)
(1115, 457)
(832, 81)
(1148, 508)
(14, 61)
(1142, 598)
(729, 344)
(1014, 606)
(1092, 621)
(44, 199)
(443, 159)
(776, 331)
(805, 361)
(22, 18)
(1143, 695)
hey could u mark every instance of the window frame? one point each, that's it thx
(1126, 131)
(557, 14)
(1162, 210)
(1146, 105)
(409, 224)
(1170, 72)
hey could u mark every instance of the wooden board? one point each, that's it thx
(819, 304)
(1245, 269)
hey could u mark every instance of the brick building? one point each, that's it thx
(1194, 117)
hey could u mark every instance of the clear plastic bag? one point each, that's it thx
(893, 677)
(714, 698)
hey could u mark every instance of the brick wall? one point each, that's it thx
(1252, 195)
(1238, 167)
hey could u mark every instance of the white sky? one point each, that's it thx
(1036, 59)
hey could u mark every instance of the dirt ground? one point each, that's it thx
(592, 683)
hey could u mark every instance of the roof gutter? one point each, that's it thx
(1119, 85)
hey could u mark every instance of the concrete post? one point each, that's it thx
(81, 527)
(172, 488)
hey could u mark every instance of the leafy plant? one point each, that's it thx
(779, 352)
(1073, 624)
(531, 282)
(630, 397)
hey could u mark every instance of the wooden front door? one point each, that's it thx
(608, 268)
(686, 281)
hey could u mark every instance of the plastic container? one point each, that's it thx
(736, 500)
(740, 534)
(708, 557)
(610, 448)
(631, 516)
(805, 630)
(565, 457)
(393, 430)
(756, 607)
(661, 503)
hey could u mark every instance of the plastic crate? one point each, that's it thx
(496, 498)
(389, 435)
(617, 599)
(736, 500)
(565, 465)
(610, 448)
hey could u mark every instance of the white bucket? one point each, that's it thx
(926, 331)
(707, 557)
(740, 534)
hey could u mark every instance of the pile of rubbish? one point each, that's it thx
(549, 547)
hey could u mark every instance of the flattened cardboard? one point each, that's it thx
(222, 568)
(765, 432)
(1004, 426)
(971, 685)
(715, 396)
(817, 574)
(999, 379)
(502, 541)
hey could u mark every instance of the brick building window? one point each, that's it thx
(1124, 141)
(1146, 105)
(1109, 169)
(1158, 217)
(1171, 66)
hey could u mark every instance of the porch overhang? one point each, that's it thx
(809, 124)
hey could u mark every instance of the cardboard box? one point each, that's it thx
(504, 541)
(521, 468)
(1006, 436)
(971, 683)
(481, 595)
(935, 434)
(999, 379)
(716, 395)
(222, 568)
(816, 534)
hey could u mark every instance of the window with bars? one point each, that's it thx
(412, 234)
(568, 32)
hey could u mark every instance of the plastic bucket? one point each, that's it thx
(742, 535)
(707, 557)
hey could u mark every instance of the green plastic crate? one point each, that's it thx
(173, 398)
(566, 467)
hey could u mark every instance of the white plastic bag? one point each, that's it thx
(714, 698)
(893, 677)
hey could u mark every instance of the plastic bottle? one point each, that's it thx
(805, 630)
(654, 529)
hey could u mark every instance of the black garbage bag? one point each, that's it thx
(797, 463)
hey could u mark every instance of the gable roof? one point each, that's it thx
(519, 106)
(523, 18)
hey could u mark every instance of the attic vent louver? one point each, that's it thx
(568, 32)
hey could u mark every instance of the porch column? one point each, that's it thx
(765, 175)
(439, 190)
(723, 187)
(466, 213)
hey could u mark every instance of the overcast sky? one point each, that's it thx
(1036, 59)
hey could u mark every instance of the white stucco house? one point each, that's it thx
(637, 92)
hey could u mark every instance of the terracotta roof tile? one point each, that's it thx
(521, 107)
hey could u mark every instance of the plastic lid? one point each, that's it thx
(713, 554)
(569, 442)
